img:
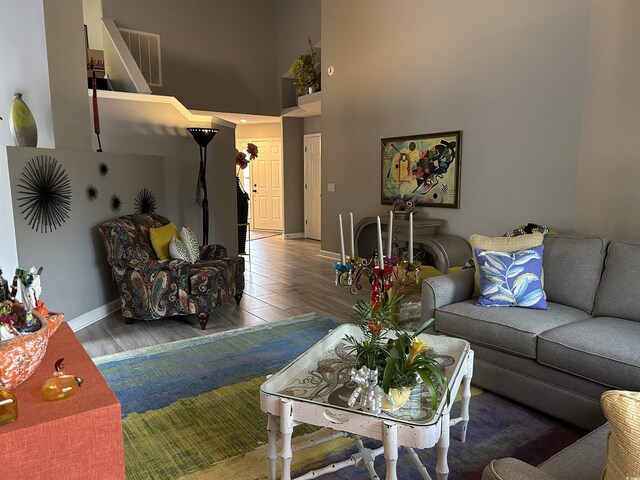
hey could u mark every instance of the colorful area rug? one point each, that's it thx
(259, 234)
(191, 410)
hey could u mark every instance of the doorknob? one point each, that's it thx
(254, 190)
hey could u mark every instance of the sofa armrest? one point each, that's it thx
(214, 251)
(446, 289)
(512, 469)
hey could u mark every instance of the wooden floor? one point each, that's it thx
(283, 278)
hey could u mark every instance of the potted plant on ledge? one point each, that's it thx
(306, 78)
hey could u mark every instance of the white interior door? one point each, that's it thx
(266, 183)
(312, 186)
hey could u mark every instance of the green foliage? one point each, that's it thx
(304, 72)
(401, 361)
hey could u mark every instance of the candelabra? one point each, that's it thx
(382, 275)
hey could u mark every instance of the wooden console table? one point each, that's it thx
(76, 438)
(446, 250)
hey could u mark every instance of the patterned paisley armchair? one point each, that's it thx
(151, 288)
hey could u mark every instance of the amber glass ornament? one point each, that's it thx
(8, 407)
(60, 385)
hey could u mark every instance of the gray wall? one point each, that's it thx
(609, 175)
(76, 278)
(259, 130)
(509, 74)
(217, 55)
(293, 171)
(312, 125)
(141, 125)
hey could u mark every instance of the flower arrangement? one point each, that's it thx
(401, 360)
(241, 157)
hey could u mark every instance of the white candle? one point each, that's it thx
(341, 240)
(380, 248)
(411, 237)
(390, 233)
(353, 245)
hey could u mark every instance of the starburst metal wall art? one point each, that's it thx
(116, 203)
(103, 169)
(92, 192)
(44, 194)
(145, 201)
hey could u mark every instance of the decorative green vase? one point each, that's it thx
(22, 124)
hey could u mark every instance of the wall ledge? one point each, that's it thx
(200, 116)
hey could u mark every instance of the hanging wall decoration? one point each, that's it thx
(116, 203)
(145, 201)
(104, 169)
(44, 194)
(92, 192)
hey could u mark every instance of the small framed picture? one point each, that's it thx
(423, 169)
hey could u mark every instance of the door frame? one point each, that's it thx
(306, 203)
(243, 141)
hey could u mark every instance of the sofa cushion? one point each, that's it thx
(622, 409)
(618, 291)
(572, 269)
(601, 349)
(500, 244)
(511, 279)
(514, 330)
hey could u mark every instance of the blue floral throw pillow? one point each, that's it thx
(511, 279)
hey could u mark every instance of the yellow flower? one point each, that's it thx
(417, 347)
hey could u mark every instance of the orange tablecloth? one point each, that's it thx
(75, 438)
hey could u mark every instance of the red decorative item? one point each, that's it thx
(21, 356)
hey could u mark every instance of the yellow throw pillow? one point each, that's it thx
(160, 238)
(622, 409)
(501, 244)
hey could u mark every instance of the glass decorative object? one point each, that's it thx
(60, 386)
(8, 407)
(22, 124)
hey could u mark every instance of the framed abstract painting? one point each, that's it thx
(423, 169)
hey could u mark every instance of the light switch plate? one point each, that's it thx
(331, 187)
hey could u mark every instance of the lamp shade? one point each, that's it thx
(202, 135)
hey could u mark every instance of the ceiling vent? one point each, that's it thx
(145, 49)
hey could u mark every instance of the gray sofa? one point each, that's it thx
(584, 460)
(560, 360)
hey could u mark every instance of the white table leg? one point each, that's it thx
(466, 397)
(367, 458)
(286, 429)
(272, 452)
(442, 466)
(416, 461)
(390, 441)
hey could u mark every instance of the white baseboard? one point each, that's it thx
(294, 235)
(94, 315)
(331, 255)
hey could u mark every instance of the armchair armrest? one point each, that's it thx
(213, 252)
(512, 469)
(445, 289)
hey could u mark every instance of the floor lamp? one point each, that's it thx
(203, 136)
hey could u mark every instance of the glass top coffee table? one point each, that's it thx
(315, 388)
